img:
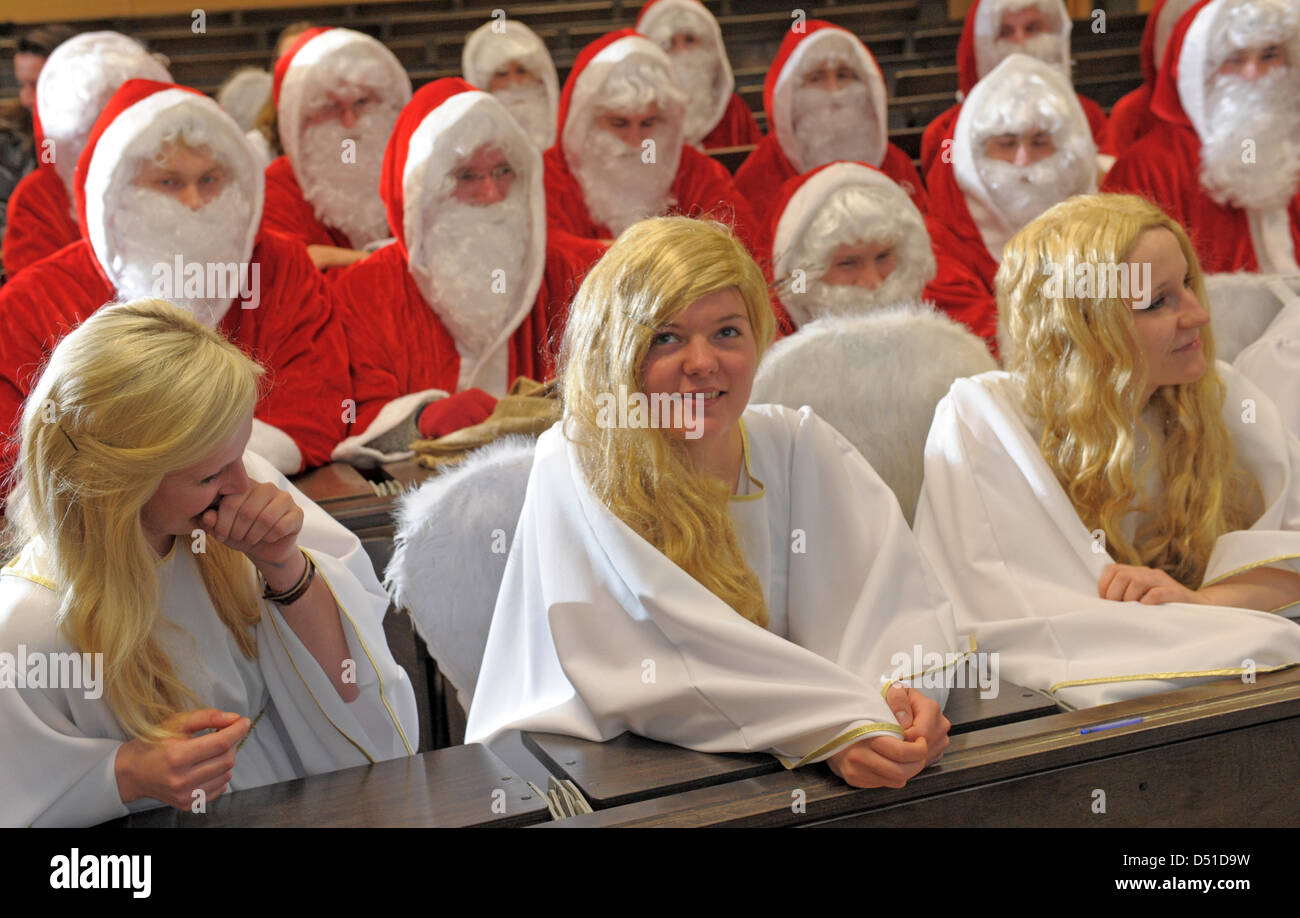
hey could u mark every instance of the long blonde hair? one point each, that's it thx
(655, 270)
(1084, 380)
(138, 390)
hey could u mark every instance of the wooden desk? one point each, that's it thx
(1220, 754)
(447, 788)
(631, 768)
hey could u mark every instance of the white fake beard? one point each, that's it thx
(345, 195)
(1021, 193)
(1263, 112)
(1047, 48)
(149, 228)
(698, 71)
(463, 247)
(822, 299)
(531, 108)
(832, 126)
(619, 188)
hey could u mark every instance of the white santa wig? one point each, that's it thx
(138, 134)
(331, 60)
(851, 204)
(491, 46)
(988, 22)
(665, 18)
(1021, 95)
(76, 82)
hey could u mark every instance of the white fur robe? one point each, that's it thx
(596, 632)
(1023, 571)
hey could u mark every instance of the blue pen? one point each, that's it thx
(1097, 728)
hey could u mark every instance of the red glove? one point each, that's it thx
(464, 409)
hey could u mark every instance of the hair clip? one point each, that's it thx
(70, 440)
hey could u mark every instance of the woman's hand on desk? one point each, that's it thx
(172, 769)
(920, 716)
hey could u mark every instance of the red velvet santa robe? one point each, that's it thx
(398, 345)
(293, 332)
(941, 128)
(1131, 118)
(963, 284)
(736, 129)
(287, 212)
(1165, 166)
(40, 220)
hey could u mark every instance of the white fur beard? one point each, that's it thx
(832, 126)
(345, 194)
(698, 72)
(822, 299)
(1047, 48)
(620, 189)
(471, 264)
(148, 230)
(1263, 113)
(1021, 193)
(529, 106)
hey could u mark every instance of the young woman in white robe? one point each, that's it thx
(1117, 514)
(217, 597)
(734, 581)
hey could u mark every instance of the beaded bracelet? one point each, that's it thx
(294, 593)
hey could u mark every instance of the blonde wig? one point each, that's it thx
(1085, 378)
(656, 269)
(138, 390)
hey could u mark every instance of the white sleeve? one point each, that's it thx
(54, 769)
(326, 732)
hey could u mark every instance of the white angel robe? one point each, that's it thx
(596, 632)
(1023, 571)
(57, 746)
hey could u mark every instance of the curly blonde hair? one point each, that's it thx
(1084, 381)
(655, 270)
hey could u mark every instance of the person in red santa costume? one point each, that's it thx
(847, 241)
(473, 293)
(1021, 144)
(1131, 118)
(77, 80)
(994, 29)
(507, 59)
(170, 199)
(1224, 161)
(621, 157)
(715, 116)
(825, 101)
(337, 95)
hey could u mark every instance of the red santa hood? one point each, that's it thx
(78, 79)
(896, 219)
(997, 96)
(976, 54)
(134, 122)
(1161, 20)
(489, 46)
(445, 122)
(1201, 40)
(659, 20)
(798, 51)
(582, 90)
(322, 58)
